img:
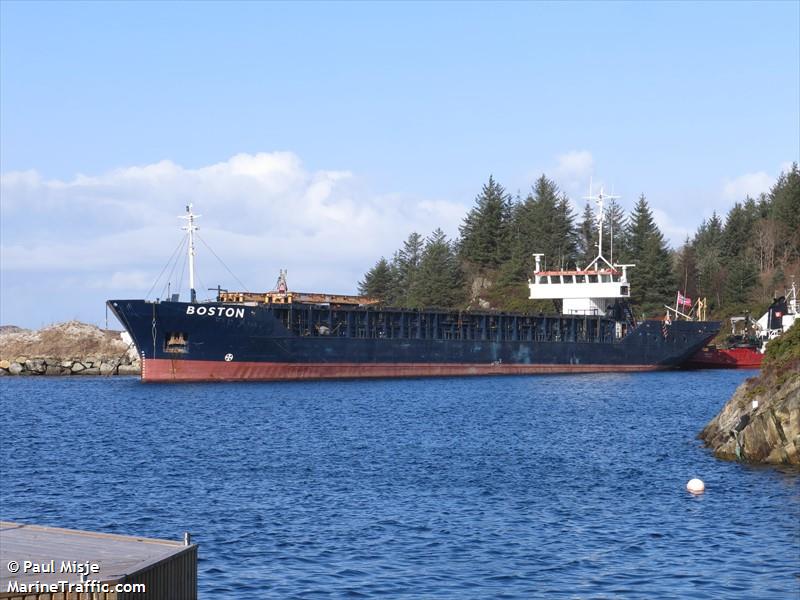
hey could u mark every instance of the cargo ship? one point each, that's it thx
(287, 335)
(744, 348)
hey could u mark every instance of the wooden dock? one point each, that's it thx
(49, 563)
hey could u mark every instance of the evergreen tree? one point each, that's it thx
(784, 201)
(564, 241)
(738, 254)
(640, 227)
(653, 286)
(378, 281)
(440, 280)
(709, 234)
(710, 271)
(545, 225)
(485, 231)
(686, 269)
(737, 236)
(587, 237)
(615, 234)
(405, 266)
(741, 278)
(526, 236)
(542, 223)
(515, 268)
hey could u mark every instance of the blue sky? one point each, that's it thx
(316, 136)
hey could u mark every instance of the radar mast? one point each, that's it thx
(191, 228)
(599, 199)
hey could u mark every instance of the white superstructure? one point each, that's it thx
(768, 331)
(588, 291)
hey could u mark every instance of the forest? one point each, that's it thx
(738, 263)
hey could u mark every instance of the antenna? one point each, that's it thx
(611, 230)
(600, 199)
(191, 228)
(611, 234)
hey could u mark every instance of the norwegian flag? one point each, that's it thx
(684, 300)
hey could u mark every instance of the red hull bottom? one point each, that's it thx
(166, 370)
(733, 358)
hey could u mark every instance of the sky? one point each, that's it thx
(316, 136)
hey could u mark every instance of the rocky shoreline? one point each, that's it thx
(57, 366)
(66, 349)
(758, 425)
(761, 422)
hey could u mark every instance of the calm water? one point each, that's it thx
(511, 487)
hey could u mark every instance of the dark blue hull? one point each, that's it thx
(183, 341)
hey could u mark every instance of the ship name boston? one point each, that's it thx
(220, 311)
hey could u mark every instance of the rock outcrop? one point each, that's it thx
(70, 348)
(761, 422)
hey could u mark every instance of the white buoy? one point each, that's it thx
(696, 486)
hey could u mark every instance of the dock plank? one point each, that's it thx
(120, 559)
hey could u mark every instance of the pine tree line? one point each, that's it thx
(423, 273)
(742, 263)
(735, 264)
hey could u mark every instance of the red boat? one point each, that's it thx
(744, 348)
(741, 351)
(711, 357)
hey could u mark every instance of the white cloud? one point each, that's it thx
(572, 172)
(674, 232)
(260, 212)
(574, 165)
(122, 280)
(749, 184)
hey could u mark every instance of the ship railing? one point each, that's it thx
(315, 320)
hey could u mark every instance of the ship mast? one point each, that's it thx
(792, 299)
(600, 199)
(191, 228)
